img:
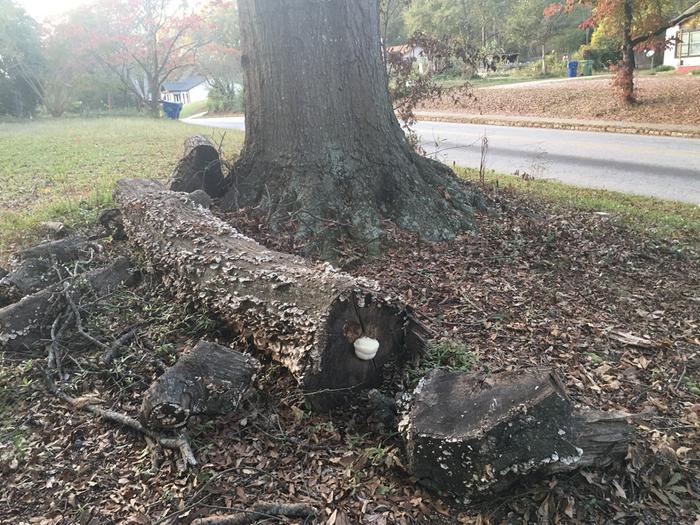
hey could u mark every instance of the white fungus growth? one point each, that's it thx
(366, 348)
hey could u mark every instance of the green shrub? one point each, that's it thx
(219, 102)
(695, 72)
(662, 68)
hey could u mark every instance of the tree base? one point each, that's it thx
(329, 203)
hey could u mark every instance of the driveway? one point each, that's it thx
(664, 167)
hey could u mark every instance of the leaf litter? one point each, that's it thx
(615, 312)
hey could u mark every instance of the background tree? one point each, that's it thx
(526, 25)
(219, 58)
(143, 42)
(324, 152)
(20, 49)
(639, 23)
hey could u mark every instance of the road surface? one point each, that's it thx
(664, 167)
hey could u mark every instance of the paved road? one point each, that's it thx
(665, 167)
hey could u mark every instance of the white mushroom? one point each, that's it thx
(366, 348)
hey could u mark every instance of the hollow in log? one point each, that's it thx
(209, 380)
(307, 316)
(473, 435)
(199, 168)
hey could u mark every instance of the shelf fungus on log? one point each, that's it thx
(199, 168)
(209, 380)
(473, 435)
(28, 321)
(306, 316)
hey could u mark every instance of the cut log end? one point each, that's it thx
(338, 372)
(209, 380)
(472, 435)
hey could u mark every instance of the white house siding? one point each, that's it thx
(670, 58)
(200, 92)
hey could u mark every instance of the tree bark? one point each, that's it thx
(209, 380)
(34, 268)
(323, 147)
(308, 317)
(627, 74)
(27, 322)
(475, 435)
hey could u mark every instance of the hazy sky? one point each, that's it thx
(43, 9)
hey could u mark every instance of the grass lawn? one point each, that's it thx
(662, 219)
(193, 108)
(65, 169)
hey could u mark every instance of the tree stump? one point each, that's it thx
(308, 317)
(199, 168)
(209, 380)
(29, 320)
(471, 435)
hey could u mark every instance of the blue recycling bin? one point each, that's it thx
(172, 109)
(573, 68)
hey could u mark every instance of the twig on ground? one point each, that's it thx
(79, 323)
(257, 512)
(178, 443)
(124, 339)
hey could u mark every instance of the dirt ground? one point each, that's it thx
(533, 286)
(669, 99)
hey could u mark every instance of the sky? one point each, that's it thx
(47, 9)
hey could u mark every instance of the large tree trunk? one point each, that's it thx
(308, 317)
(323, 147)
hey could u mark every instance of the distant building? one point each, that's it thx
(192, 88)
(684, 51)
(414, 53)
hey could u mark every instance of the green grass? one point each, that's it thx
(193, 108)
(659, 218)
(65, 169)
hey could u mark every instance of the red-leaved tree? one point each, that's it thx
(143, 42)
(641, 24)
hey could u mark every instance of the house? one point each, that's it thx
(191, 88)
(413, 53)
(684, 50)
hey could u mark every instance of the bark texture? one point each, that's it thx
(28, 322)
(34, 268)
(199, 168)
(323, 147)
(306, 316)
(209, 380)
(474, 435)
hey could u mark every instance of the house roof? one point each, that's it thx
(692, 10)
(184, 84)
(402, 49)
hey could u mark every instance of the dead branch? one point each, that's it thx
(257, 512)
(127, 336)
(178, 443)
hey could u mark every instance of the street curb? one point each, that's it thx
(605, 128)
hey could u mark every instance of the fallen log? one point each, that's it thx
(332, 331)
(29, 320)
(199, 168)
(209, 380)
(35, 268)
(472, 435)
